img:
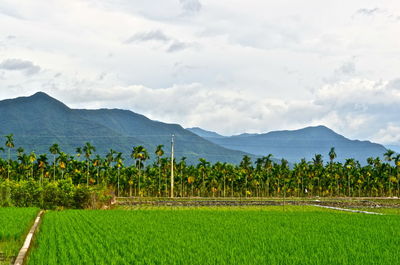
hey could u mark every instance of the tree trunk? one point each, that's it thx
(224, 186)
(54, 168)
(245, 187)
(118, 184)
(8, 165)
(159, 179)
(139, 178)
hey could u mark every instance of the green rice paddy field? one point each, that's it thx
(14, 225)
(205, 235)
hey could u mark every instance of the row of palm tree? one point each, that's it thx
(261, 178)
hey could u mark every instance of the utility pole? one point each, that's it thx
(172, 166)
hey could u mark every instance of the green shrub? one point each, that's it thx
(81, 197)
(51, 195)
(26, 193)
(5, 193)
(67, 191)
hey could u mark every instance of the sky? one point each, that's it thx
(228, 66)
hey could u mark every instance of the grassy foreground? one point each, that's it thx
(251, 235)
(14, 225)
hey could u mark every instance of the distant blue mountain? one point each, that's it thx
(395, 148)
(204, 133)
(39, 121)
(297, 144)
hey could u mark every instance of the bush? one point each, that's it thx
(81, 197)
(5, 194)
(51, 195)
(26, 193)
(67, 191)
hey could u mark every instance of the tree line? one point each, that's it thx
(260, 178)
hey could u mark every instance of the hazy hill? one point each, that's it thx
(204, 133)
(303, 143)
(395, 148)
(39, 121)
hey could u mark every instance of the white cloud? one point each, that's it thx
(368, 11)
(26, 67)
(348, 68)
(228, 65)
(154, 35)
(357, 94)
(192, 6)
(389, 134)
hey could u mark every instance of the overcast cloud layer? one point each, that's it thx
(229, 66)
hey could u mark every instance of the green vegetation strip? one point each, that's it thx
(14, 225)
(230, 235)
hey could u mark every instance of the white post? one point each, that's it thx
(172, 166)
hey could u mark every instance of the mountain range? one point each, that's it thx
(395, 148)
(39, 121)
(297, 144)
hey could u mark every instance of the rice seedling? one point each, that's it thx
(14, 225)
(273, 235)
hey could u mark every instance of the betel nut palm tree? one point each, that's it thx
(9, 145)
(139, 154)
(54, 150)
